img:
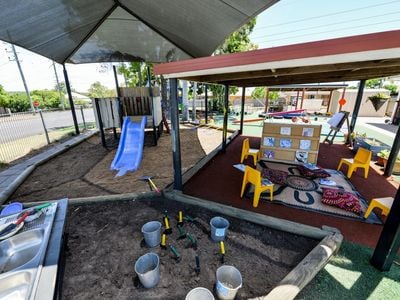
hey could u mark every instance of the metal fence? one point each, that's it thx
(23, 132)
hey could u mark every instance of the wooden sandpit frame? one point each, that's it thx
(291, 285)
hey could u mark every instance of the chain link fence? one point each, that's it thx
(23, 132)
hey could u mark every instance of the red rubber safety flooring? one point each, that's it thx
(220, 182)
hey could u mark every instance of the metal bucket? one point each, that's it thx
(199, 293)
(229, 281)
(152, 233)
(148, 269)
(219, 228)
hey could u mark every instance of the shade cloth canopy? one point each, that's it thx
(334, 60)
(88, 31)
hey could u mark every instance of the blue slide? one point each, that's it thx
(130, 148)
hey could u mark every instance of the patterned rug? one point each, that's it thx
(306, 193)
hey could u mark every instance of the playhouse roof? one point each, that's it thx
(335, 60)
(125, 30)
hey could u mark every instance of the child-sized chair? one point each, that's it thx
(361, 160)
(253, 176)
(383, 203)
(246, 151)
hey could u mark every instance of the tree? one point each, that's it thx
(135, 73)
(392, 88)
(97, 90)
(46, 98)
(4, 97)
(373, 83)
(238, 41)
(259, 93)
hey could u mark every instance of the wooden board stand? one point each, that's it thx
(336, 126)
(293, 143)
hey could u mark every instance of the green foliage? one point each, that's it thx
(18, 102)
(378, 96)
(373, 83)
(97, 90)
(384, 153)
(131, 73)
(46, 98)
(62, 87)
(199, 89)
(392, 88)
(238, 41)
(4, 97)
(259, 93)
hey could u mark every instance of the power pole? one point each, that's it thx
(22, 76)
(58, 87)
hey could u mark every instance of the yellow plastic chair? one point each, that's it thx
(253, 176)
(383, 203)
(361, 160)
(246, 151)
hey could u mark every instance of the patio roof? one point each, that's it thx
(123, 30)
(335, 60)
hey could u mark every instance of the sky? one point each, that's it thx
(287, 22)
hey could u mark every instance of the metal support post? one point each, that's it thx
(357, 106)
(394, 152)
(242, 109)
(176, 144)
(116, 81)
(100, 119)
(83, 118)
(389, 241)
(44, 127)
(194, 101)
(71, 101)
(225, 124)
(206, 104)
(155, 136)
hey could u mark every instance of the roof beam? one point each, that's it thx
(354, 66)
(316, 77)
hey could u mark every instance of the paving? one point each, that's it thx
(10, 177)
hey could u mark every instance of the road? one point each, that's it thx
(23, 125)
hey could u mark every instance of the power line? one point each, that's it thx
(331, 31)
(324, 25)
(327, 15)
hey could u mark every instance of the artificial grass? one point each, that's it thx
(349, 275)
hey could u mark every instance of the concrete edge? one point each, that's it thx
(67, 147)
(272, 222)
(307, 269)
(6, 193)
(99, 199)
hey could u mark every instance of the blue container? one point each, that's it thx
(11, 209)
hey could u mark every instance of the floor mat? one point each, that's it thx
(306, 193)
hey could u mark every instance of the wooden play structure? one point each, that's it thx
(291, 143)
(135, 103)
